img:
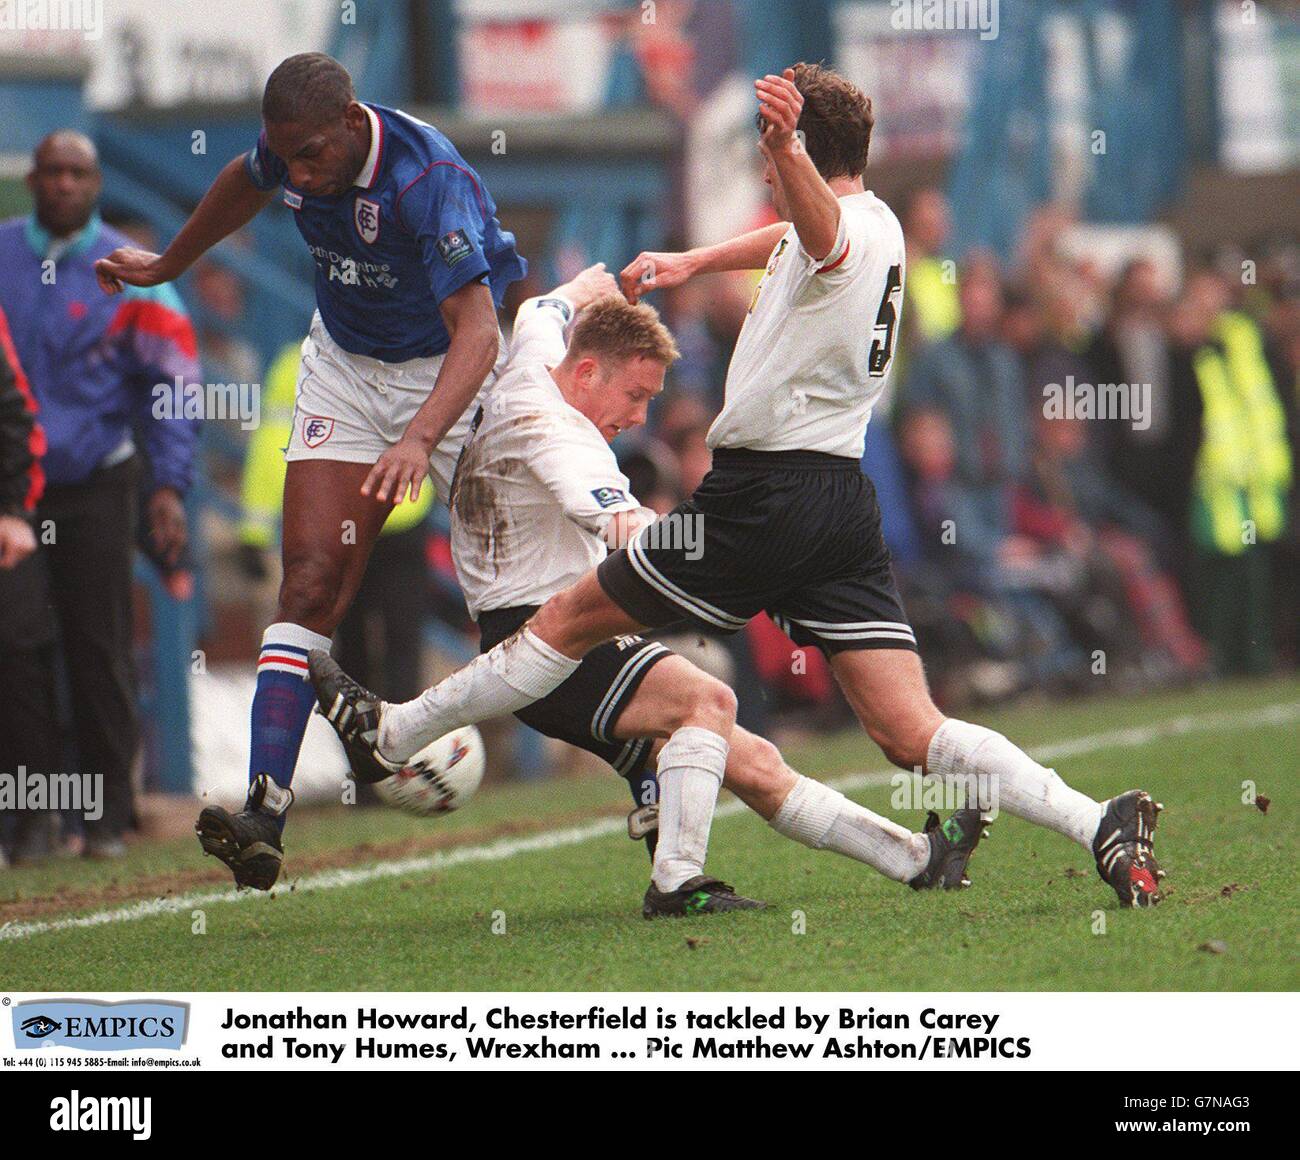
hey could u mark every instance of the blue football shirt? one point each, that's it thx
(416, 226)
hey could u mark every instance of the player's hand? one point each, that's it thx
(624, 525)
(779, 104)
(168, 530)
(17, 541)
(654, 271)
(403, 466)
(127, 266)
(595, 282)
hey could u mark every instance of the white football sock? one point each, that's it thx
(522, 669)
(824, 819)
(691, 765)
(980, 757)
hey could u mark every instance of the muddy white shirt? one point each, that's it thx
(536, 482)
(815, 350)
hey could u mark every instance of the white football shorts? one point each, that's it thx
(352, 409)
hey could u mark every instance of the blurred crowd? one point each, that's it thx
(1086, 474)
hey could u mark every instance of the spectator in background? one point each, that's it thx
(702, 369)
(1075, 507)
(227, 357)
(1155, 462)
(964, 488)
(379, 636)
(651, 470)
(688, 443)
(22, 442)
(1284, 329)
(92, 362)
(976, 380)
(933, 310)
(1242, 479)
(676, 412)
(970, 545)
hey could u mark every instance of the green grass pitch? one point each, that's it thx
(476, 901)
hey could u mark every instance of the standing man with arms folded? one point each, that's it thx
(92, 365)
(790, 524)
(411, 265)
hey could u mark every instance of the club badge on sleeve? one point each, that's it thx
(608, 496)
(454, 246)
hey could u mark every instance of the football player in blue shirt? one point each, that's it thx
(411, 265)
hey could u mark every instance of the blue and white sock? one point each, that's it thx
(283, 701)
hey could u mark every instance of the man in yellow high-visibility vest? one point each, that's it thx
(1239, 492)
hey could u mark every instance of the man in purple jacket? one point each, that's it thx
(93, 364)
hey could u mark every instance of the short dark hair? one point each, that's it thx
(310, 87)
(836, 121)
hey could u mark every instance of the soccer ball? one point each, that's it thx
(439, 778)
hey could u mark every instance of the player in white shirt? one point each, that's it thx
(803, 377)
(791, 526)
(537, 500)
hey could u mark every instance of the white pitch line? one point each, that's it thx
(1130, 738)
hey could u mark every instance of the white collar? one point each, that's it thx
(366, 178)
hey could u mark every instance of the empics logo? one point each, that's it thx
(38, 1027)
(77, 1113)
(91, 1026)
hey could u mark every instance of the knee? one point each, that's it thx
(711, 705)
(554, 619)
(555, 624)
(310, 593)
(565, 623)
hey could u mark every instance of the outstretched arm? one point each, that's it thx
(231, 203)
(814, 208)
(658, 271)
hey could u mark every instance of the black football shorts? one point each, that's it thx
(585, 708)
(795, 534)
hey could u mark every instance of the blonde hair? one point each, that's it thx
(616, 329)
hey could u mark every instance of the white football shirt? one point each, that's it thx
(815, 350)
(536, 482)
